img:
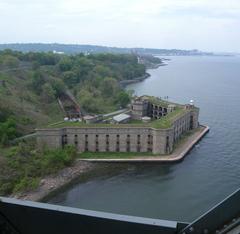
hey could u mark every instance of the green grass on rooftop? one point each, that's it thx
(96, 125)
(158, 101)
(167, 121)
(163, 123)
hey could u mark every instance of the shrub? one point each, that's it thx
(7, 131)
(26, 184)
(25, 166)
(54, 160)
(6, 188)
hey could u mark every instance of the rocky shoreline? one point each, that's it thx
(124, 83)
(53, 183)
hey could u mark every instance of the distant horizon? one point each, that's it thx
(120, 47)
(202, 24)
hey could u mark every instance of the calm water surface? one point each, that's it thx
(210, 172)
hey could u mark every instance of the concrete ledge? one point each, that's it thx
(178, 154)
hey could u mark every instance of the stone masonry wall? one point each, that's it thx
(106, 139)
(120, 139)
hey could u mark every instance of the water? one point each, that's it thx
(210, 172)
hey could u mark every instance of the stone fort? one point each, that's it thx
(154, 126)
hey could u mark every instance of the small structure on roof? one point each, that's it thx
(92, 118)
(146, 119)
(171, 108)
(121, 118)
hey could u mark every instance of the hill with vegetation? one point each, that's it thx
(30, 87)
(31, 83)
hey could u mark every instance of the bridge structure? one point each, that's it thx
(26, 217)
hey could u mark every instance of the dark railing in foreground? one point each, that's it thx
(25, 217)
(219, 218)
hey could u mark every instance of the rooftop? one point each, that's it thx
(121, 117)
(163, 123)
(157, 101)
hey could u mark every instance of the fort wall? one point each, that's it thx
(121, 138)
(118, 139)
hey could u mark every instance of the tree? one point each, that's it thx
(65, 64)
(70, 78)
(7, 131)
(11, 61)
(109, 86)
(102, 71)
(48, 93)
(37, 81)
(58, 87)
(123, 98)
(88, 102)
(35, 65)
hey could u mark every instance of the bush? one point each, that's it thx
(26, 184)
(6, 188)
(54, 160)
(7, 131)
(25, 166)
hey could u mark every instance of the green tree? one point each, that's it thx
(7, 131)
(123, 98)
(58, 86)
(109, 86)
(37, 81)
(102, 71)
(48, 93)
(88, 102)
(65, 64)
(70, 78)
(11, 61)
(35, 65)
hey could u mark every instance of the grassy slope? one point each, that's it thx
(28, 108)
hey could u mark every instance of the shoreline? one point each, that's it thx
(124, 83)
(53, 183)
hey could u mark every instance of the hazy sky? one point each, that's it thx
(210, 25)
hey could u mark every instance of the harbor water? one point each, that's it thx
(210, 172)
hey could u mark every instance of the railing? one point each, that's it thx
(217, 219)
(25, 217)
